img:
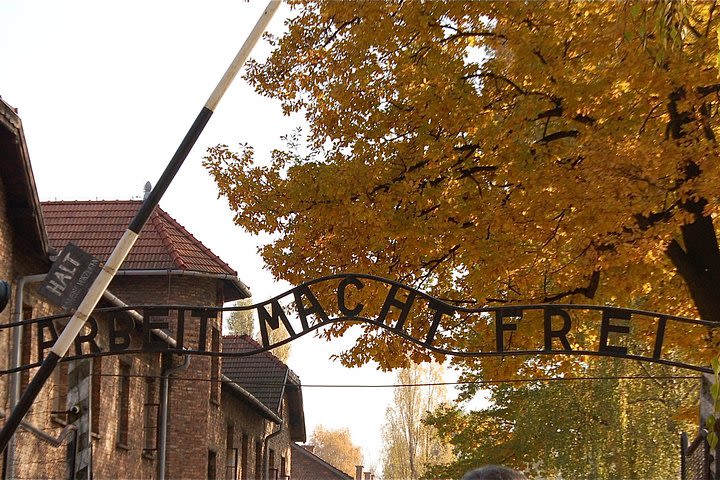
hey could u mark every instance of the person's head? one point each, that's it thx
(493, 472)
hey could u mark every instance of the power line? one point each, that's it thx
(433, 384)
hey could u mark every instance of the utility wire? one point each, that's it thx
(433, 384)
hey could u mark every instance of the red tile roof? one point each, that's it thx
(267, 379)
(262, 374)
(305, 464)
(96, 227)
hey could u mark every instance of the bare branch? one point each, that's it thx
(342, 26)
(588, 291)
(496, 77)
(558, 136)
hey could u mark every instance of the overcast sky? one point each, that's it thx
(106, 91)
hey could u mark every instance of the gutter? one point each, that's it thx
(266, 459)
(242, 288)
(162, 434)
(15, 359)
(269, 414)
(54, 441)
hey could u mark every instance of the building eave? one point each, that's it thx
(22, 199)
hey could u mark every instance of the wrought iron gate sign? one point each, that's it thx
(427, 321)
(70, 277)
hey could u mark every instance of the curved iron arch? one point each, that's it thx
(441, 309)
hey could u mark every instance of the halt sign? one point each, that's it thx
(70, 277)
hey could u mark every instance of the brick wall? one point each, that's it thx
(6, 273)
(306, 469)
(111, 454)
(281, 443)
(244, 420)
(190, 411)
(194, 422)
(35, 458)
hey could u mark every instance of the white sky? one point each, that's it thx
(106, 91)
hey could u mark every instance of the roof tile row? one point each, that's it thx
(96, 227)
(262, 374)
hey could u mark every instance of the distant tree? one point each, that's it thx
(599, 429)
(409, 444)
(242, 322)
(282, 352)
(335, 446)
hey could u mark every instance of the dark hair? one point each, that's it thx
(493, 472)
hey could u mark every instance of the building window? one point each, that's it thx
(258, 461)
(231, 454)
(215, 367)
(212, 465)
(244, 467)
(59, 401)
(272, 471)
(95, 386)
(151, 407)
(123, 418)
(283, 467)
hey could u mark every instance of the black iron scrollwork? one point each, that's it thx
(405, 311)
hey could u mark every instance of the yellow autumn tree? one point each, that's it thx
(335, 446)
(409, 444)
(242, 322)
(495, 153)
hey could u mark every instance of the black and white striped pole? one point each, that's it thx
(127, 241)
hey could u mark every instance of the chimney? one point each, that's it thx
(358, 472)
(146, 190)
(309, 448)
(368, 476)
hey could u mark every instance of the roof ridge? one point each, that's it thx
(197, 242)
(235, 335)
(156, 219)
(49, 202)
(95, 226)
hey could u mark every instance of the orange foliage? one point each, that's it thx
(495, 152)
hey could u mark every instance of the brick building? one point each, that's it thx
(149, 414)
(23, 247)
(277, 387)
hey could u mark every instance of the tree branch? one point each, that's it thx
(558, 135)
(699, 265)
(431, 265)
(588, 291)
(496, 77)
(707, 90)
(342, 26)
(462, 34)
